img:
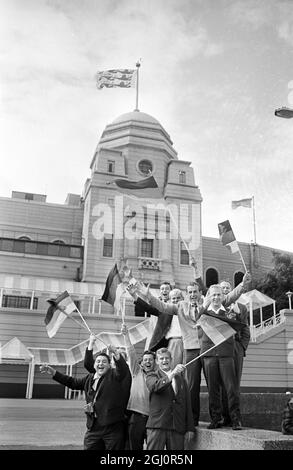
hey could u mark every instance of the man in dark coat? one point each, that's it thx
(105, 407)
(219, 365)
(170, 415)
(89, 363)
(235, 311)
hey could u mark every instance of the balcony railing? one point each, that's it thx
(266, 326)
(150, 263)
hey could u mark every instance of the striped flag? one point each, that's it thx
(75, 354)
(218, 329)
(112, 282)
(60, 308)
(123, 78)
(145, 188)
(242, 202)
(227, 236)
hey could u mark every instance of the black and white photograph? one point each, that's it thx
(146, 255)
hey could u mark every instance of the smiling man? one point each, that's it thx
(105, 406)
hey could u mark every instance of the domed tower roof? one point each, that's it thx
(137, 128)
(136, 116)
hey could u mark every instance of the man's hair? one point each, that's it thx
(103, 354)
(151, 353)
(167, 283)
(225, 280)
(176, 291)
(191, 284)
(163, 351)
(215, 285)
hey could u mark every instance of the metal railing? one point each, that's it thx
(266, 326)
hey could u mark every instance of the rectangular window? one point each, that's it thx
(6, 245)
(147, 248)
(111, 166)
(108, 246)
(182, 177)
(40, 248)
(15, 301)
(28, 197)
(184, 255)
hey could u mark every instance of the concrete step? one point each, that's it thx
(245, 439)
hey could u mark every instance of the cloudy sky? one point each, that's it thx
(212, 73)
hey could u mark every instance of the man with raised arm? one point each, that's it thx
(105, 406)
(170, 418)
(138, 404)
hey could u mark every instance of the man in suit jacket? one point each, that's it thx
(170, 415)
(219, 365)
(242, 338)
(104, 390)
(89, 365)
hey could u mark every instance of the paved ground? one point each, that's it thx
(60, 425)
(41, 424)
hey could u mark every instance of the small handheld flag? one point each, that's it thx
(228, 239)
(60, 308)
(218, 329)
(227, 236)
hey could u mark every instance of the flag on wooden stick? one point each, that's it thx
(60, 308)
(218, 329)
(227, 236)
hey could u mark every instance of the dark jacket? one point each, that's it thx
(109, 407)
(167, 410)
(88, 364)
(242, 337)
(287, 420)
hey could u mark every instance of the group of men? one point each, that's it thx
(157, 399)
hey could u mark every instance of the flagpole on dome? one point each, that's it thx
(138, 63)
(253, 215)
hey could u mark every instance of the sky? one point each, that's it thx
(212, 73)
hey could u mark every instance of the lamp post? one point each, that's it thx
(289, 294)
(284, 112)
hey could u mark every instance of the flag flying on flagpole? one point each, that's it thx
(60, 308)
(218, 329)
(123, 78)
(242, 202)
(145, 188)
(227, 236)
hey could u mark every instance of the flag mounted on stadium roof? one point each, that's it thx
(145, 188)
(113, 78)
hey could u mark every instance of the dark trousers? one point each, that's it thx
(193, 377)
(158, 439)
(218, 371)
(136, 430)
(238, 360)
(109, 437)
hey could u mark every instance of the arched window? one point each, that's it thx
(238, 276)
(212, 277)
(25, 238)
(58, 242)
